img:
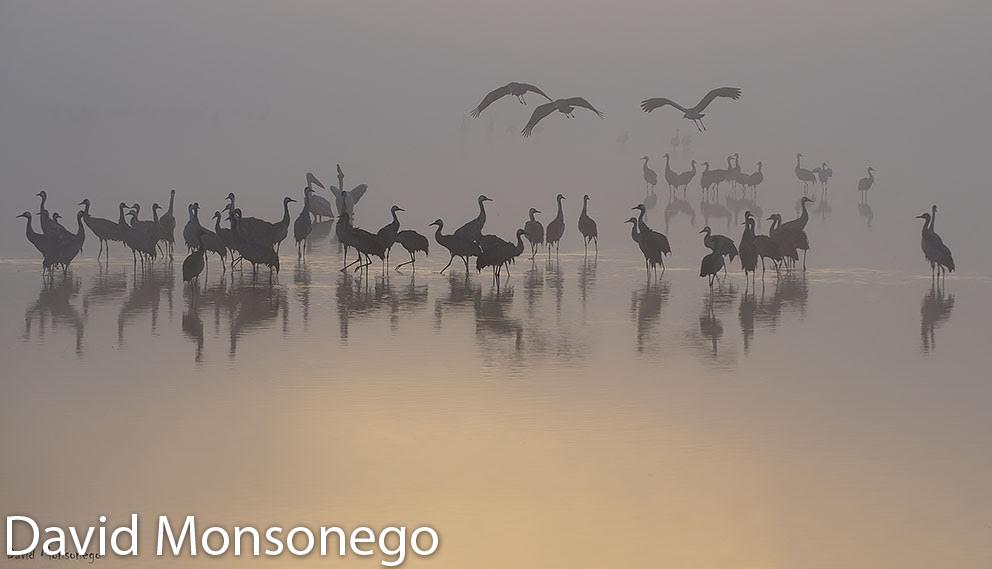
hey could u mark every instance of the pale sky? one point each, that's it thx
(122, 100)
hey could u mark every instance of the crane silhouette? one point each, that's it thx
(534, 231)
(564, 106)
(747, 249)
(472, 230)
(303, 224)
(413, 242)
(456, 246)
(865, 184)
(166, 224)
(655, 243)
(518, 90)
(650, 176)
(387, 234)
(653, 256)
(694, 114)
(105, 230)
(500, 254)
(587, 227)
(671, 177)
(720, 244)
(806, 177)
(684, 178)
(320, 207)
(556, 229)
(934, 251)
(194, 263)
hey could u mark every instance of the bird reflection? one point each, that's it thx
(252, 308)
(52, 308)
(792, 290)
(822, 208)
(462, 292)
(319, 234)
(533, 286)
(935, 309)
(866, 213)
(715, 210)
(587, 280)
(746, 310)
(645, 310)
(492, 324)
(302, 277)
(556, 280)
(144, 296)
(107, 287)
(716, 301)
(678, 206)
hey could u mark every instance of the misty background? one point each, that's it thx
(123, 100)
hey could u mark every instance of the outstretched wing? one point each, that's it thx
(313, 181)
(539, 113)
(580, 102)
(728, 92)
(357, 193)
(535, 89)
(648, 105)
(492, 97)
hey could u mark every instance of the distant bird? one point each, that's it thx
(823, 175)
(254, 252)
(564, 106)
(653, 255)
(208, 240)
(765, 246)
(167, 224)
(456, 246)
(48, 225)
(303, 224)
(226, 236)
(708, 179)
(149, 228)
(694, 114)
(139, 242)
(789, 240)
(676, 140)
(720, 244)
(472, 230)
(320, 207)
(800, 222)
(865, 184)
(650, 176)
(754, 179)
(190, 234)
(671, 177)
(651, 240)
(534, 230)
(650, 200)
(711, 265)
(387, 234)
(806, 177)
(684, 178)
(587, 226)
(412, 242)
(105, 230)
(556, 229)
(518, 90)
(936, 253)
(346, 201)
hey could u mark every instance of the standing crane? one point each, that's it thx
(936, 253)
(412, 242)
(865, 184)
(720, 244)
(806, 177)
(747, 248)
(587, 227)
(387, 234)
(556, 229)
(472, 230)
(303, 224)
(167, 224)
(652, 240)
(534, 230)
(105, 230)
(456, 246)
(650, 176)
(671, 176)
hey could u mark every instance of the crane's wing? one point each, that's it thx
(313, 181)
(489, 99)
(539, 113)
(648, 105)
(727, 92)
(580, 102)
(334, 190)
(535, 89)
(358, 192)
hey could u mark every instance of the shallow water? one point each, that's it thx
(579, 416)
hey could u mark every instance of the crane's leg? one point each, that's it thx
(465, 259)
(595, 241)
(448, 265)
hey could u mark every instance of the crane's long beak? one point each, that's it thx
(537, 211)
(702, 231)
(400, 209)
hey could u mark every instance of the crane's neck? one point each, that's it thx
(805, 214)
(520, 243)
(306, 203)
(532, 214)
(633, 231)
(482, 210)
(396, 220)
(561, 215)
(667, 161)
(44, 198)
(79, 225)
(285, 211)
(172, 201)
(86, 209)
(797, 162)
(155, 215)
(437, 233)
(640, 220)
(28, 230)
(120, 217)
(585, 208)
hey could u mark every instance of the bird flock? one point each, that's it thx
(258, 241)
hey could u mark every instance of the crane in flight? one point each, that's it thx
(518, 90)
(563, 106)
(695, 114)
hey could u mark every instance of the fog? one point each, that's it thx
(125, 100)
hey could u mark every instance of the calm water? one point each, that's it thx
(579, 416)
